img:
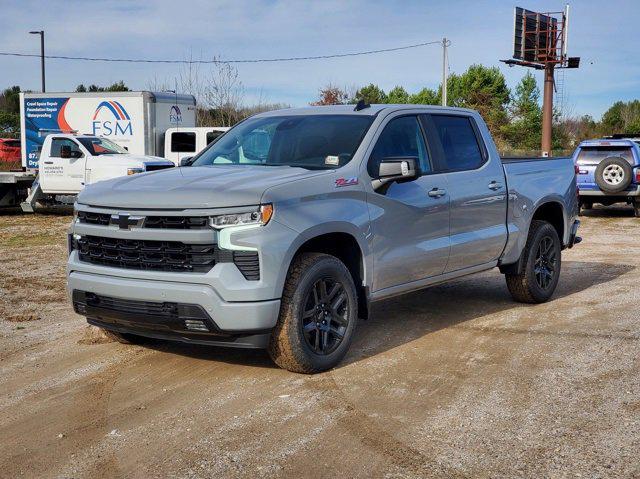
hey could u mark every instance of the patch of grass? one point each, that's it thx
(26, 241)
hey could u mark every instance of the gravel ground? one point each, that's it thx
(453, 381)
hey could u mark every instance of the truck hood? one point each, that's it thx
(192, 187)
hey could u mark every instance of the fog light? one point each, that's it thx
(195, 325)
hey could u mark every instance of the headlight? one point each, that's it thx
(133, 171)
(259, 217)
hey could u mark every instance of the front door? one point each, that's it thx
(476, 187)
(409, 221)
(63, 175)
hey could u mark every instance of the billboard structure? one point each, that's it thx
(540, 41)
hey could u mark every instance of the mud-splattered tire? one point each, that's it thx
(318, 315)
(123, 338)
(541, 271)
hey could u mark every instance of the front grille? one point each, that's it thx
(90, 218)
(159, 222)
(146, 254)
(157, 167)
(248, 264)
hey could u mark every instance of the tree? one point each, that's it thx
(426, 96)
(525, 128)
(398, 95)
(10, 99)
(331, 95)
(117, 86)
(223, 94)
(9, 123)
(370, 94)
(484, 89)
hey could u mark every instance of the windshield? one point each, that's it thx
(101, 146)
(307, 141)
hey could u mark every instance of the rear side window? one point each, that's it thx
(592, 155)
(459, 142)
(183, 142)
(401, 137)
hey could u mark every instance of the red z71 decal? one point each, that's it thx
(340, 182)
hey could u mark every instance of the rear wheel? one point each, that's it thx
(318, 315)
(636, 208)
(542, 255)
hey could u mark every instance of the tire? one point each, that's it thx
(300, 341)
(585, 205)
(123, 338)
(536, 284)
(614, 174)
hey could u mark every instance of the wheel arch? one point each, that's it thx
(343, 243)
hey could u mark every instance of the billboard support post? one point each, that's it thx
(547, 110)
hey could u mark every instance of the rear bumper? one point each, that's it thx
(597, 192)
(139, 306)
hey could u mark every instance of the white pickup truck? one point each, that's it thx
(68, 162)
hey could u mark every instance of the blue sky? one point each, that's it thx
(605, 34)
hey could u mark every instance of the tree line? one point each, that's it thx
(513, 116)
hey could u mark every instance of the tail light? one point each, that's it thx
(637, 175)
(576, 169)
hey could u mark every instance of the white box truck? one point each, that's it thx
(136, 121)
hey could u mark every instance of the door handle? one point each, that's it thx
(436, 193)
(494, 185)
(48, 162)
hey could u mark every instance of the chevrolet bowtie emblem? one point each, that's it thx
(126, 221)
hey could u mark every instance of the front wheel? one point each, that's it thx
(542, 255)
(318, 315)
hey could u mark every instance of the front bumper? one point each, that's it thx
(225, 318)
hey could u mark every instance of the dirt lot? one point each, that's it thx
(454, 381)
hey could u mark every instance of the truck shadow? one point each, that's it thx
(615, 211)
(406, 318)
(400, 320)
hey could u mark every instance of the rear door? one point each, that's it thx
(410, 221)
(63, 175)
(182, 144)
(477, 189)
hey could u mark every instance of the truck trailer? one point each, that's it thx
(136, 121)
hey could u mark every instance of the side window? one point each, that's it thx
(401, 137)
(58, 143)
(459, 142)
(183, 142)
(212, 135)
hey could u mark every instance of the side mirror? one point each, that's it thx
(398, 169)
(76, 154)
(65, 151)
(186, 161)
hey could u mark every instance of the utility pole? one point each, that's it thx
(41, 33)
(547, 109)
(445, 44)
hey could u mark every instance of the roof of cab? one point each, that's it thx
(370, 110)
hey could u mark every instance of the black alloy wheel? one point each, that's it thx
(545, 262)
(325, 316)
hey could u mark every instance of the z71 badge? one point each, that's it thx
(340, 182)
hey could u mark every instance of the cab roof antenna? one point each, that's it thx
(361, 105)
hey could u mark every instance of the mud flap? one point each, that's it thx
(35, 194)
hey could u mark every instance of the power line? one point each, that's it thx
(259, 60)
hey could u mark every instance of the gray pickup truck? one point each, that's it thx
(282, 233)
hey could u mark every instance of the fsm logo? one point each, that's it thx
(175, 115)
(103, 125)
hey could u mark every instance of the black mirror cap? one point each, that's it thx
(399, 168)
(186, 161)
